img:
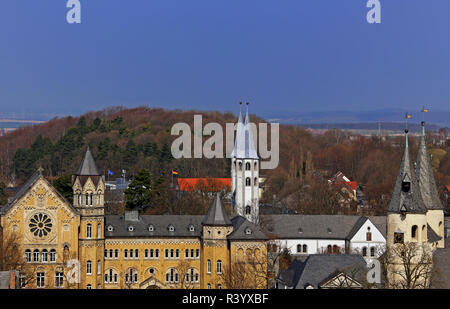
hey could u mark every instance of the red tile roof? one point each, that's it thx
(209, 184)
(448, 188)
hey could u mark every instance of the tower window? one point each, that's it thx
(89, 231)
(87, 199)
(247, 166)
(248, 181)
(219, 266)
(398, 238)
(255, 182)
(248, 210)
(414, 232)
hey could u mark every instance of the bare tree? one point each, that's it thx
(407, 265)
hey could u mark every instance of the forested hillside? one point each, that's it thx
(138, 138)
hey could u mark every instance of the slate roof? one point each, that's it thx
(319, 267)
(309, 226)
(217, 214)
(380, 223)
(290, 276)
(440, 278)
(432, 235)
(160, 224)
(425, 177)
(244, 146)
(410, 201)
(88, 166)
(245, 230)
(24, 189)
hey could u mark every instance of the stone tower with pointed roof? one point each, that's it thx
(428, 190)
(216, 227)
(88, 198)
(406, 212)
(245, 171)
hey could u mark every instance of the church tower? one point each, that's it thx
(406, 212)
(245, 171)
(215, 254)
(428, 190)
(88, 198)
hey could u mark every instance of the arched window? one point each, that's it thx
(414, 232)
(248, 182)
(208, 267)
(329, 249)
(171, 276)
(219, 266)
(89, 268)
(131, 253)
(91, 199)
(255, 182)
(36, 255)
(424, 233)
(299, 248)
(99, 267)
(116, 254)
(89, 287)
(27, 256)
(335, 249)
(364, 251)
(111, 253)
(372, 251)
(248, 210)
(44, 256)
(53, 255)
(247, 166)
(99, 230)
(305, 249)
(125, 254)
(369, 236)
(256, 166)
(146, 254)
(156, 253)
(240, 166)
(89, 231)
(79, 199)
(87, 199)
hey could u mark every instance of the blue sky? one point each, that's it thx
(285, 56)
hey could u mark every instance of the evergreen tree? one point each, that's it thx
(141, 192)
(64, 186)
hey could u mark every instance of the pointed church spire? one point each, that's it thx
(217, 216)
(250, 150)
(88, 166)
(425, 177)
(244, 147)
(406, 196)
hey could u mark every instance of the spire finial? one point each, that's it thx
(424, 110)
(406, 137)
(40, 170)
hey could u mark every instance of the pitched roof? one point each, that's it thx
(160, 226)
(88, 166)
(317, 268)
(244, 147)
(216, 215)
(245, 230)
(440, 278)
(213, 184)
(425, 177)
(432, 235)
(309, 226)
(410, 201)
(381, 224)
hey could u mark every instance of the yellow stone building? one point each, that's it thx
(78, 246)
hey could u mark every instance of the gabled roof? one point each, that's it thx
(217, 216)
(28, 184)
(244, 147)
(245, 230)
(411, 201)
(309, 226)
(378, 221)
(317, 268)
(88, 166)
(425, 177)
(213, 184)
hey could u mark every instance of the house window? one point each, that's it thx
(166, 253)
(157, 254)
(414, 232)
(151, 253)
(89, 231)
(305, 248)
(177, 253)
(208, 266)
(59, 279)
(364, 251)
(44, 256)
(99, 230)
(87, 199)
(110, 253)
(131, 253)
(53, 255)
(219, 286)
(398, 238)
(368, 236)
(116, 252)
(40, 279)
(99, 267)
(372, 251)
(247, 166)
(125, 254)
(219, 266)
(89, 268)
(146, 254)
(27, 256)
(172, 276)
(197, 253)
(90, 202)
(192, 253)
(36, 254)
(89, 287)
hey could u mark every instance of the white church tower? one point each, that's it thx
(245, 171)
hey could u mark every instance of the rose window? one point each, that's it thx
(40, 225)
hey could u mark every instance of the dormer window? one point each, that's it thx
(191, 228)
(248, 231)
(130, 228)
(171, 228)
(300, 230)
(329, 230)
(403, 209)
(406, 184)
(110, 228)
(151, 228)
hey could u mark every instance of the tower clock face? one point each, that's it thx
(40, 225)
